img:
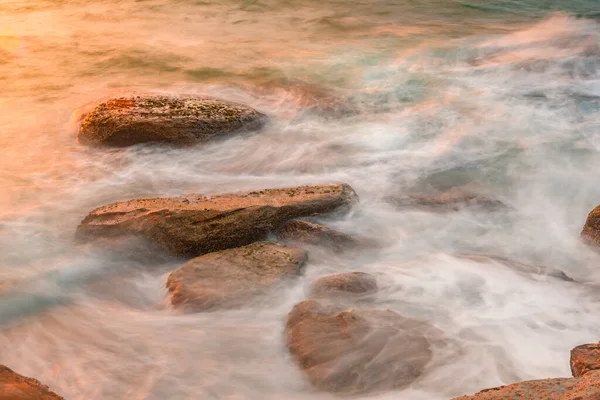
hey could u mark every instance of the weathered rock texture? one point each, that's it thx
(515, 265)
(191, 226)
(314, 234)
(586, 387)
(450, 200)
(344, 285)
(181, 120)
(585, 358)
(231, 278)
(356, 351)
(591, 228)
(17, 387)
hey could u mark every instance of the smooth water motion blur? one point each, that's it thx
(389, 96)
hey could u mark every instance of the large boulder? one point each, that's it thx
(450, 200)
(232, 278)
(518, 266)
(591, 228)
(182, 120)
(356, 351)
(304, 232)
(585, 358)
(18, 387)
(586, 387)
(191, 226)
(345, 285)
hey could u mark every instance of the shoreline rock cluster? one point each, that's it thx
(337, 337)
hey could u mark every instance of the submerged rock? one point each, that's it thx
(182, 120)
(451, 200)
(515, 265)
(345, 285)
(18, 387)
(591, 228)
(314, 234)
(191, 226)
(354, 351)
(585, 358)
(231, 278)
(586, 387)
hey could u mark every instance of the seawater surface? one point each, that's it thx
(388, 96)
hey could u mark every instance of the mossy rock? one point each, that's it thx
(591, 230)
(233, 278)
(183, 120)
(196, 225)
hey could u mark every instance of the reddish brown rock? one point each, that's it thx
(450, 200)
(345, 285)
(586, 387)
(232, 278)
(515, 265)
(182, 120)
(191, 226)
(17, 387)
(591, 229)
(305, 232)
(585, 358)
(356, 351)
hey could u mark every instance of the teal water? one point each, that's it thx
(388, 96)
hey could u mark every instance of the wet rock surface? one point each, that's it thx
(195, 225)
(356, 351)
(181, 120)
(591, 229)
(231, 278)
(450, 200)
(516, 265)
(304, 232)
(586, 387)
(18, 387)
(585, 358)
(345, 285)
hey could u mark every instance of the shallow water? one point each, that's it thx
(388, 96)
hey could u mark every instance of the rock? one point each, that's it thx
(585, 358)
(451, 200)
(18, 387)
(586, 387)
(305, 232)
(231, 278)
(591, 229)
(515, 265)
(345, 285)
(191, 226)
(356, 351)
(182, 120)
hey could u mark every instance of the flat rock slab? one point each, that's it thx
(345, 285)
(585, 358)
(518, 266)
(232, 278)
(182, 120)
(305, 232)
(191, 226)
(591, 229)
(451, 200)
(356, 351)
(583, 388)
(18, 387)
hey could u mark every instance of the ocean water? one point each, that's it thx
(389, 96)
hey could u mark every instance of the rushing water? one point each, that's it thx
(388, 96)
